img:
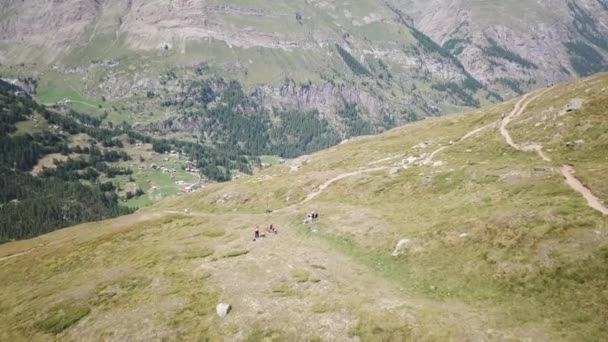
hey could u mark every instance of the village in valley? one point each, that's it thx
(168, 174)
(159, 175)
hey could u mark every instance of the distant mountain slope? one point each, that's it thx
(518, 42)
(487, 225)
(357, 52)
(395, 61)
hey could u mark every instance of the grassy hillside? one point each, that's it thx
(438, 230)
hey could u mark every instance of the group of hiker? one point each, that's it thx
(269, 230)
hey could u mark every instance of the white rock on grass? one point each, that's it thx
(223, 309)
(402, 246)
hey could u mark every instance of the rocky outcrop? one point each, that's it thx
(325, 97)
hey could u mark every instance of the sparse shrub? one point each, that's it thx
(320, 308)
(264, 335)
(471, 83)
(62, 317)
(214, 231)
(201, 252)
(495, 50)
(283, 290)
(381, 328)
(411, 116)
(584, 58)
(236, 253)
(301, 276)
(352, 62)
(355, 124)
(455, 45)
(511, 84)
(456, 90)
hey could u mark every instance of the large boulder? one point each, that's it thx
(223, 309)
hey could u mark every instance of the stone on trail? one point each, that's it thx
(409, 160)
(223, 309)
(420, 146)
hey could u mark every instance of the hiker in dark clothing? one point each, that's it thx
(257, 232)
(313, 216)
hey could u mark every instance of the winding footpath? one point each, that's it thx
(567, 171)
(325, 185)
(17, 254)
(429, 159)
(339, 177)
(28, 251)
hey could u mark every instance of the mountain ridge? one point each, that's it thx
(414, 62)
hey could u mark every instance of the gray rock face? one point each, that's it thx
(223, 309)
(489, 45)
(324, 97)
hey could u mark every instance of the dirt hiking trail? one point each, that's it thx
(428, 159)
(566, 170)
(520, 107)
(325, 185)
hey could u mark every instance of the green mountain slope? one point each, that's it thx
(459, 228)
